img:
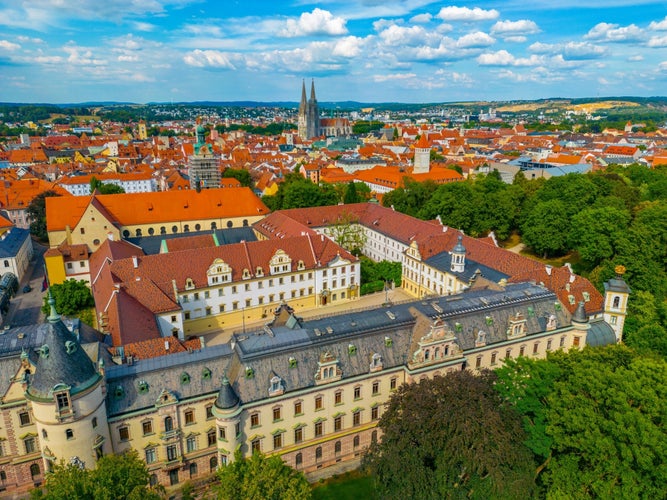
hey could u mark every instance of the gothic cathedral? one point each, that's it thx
(309, 114)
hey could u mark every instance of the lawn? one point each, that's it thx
(351, 485)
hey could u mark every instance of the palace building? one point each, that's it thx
(311, 391)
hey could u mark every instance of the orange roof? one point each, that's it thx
(145, 208)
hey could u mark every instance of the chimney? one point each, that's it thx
(548, 269)
(166, 345)
(135, 261)
(202, 341)
(110, 236)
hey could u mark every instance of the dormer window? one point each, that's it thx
(259, 272)
(276, 387)
(376, 362)
(300, 266)
(246, 274)
(189, 284)
(328, 370)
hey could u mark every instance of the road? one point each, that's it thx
(25, 308)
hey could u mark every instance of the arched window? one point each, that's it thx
(213, 463)
(355, 442)
(126, 234)
(318, 453)
(174, 229)
(138, 233)
(214, 226)
(230, 224)
(69, 434)
(337, 447)
(245, 222)
(193, 470)
(151, 231)
(186, 228)
(299, 459)
(34, 471)
(197, 227)
(153, 480)
(168, 424)
(374, 437)
(617, 301)
(163, 230)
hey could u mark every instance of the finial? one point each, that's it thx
(619, 270)
(53, 315)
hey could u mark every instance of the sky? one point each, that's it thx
(417, 51)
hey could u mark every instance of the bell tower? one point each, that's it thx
(616, 293)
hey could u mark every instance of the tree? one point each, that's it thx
(105, 188)
(242, 175)
(71, 296)
(122, 476)
(37, 215)
(351, 195)
(451, 437)
(260, 478)
(599, 414)
(595, 231)
(348, 233)
(546, 227)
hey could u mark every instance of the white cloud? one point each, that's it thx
(662, 66)
(421, 18)
(657, 42)
(499, 58)
(515, 39)
(350, 46)
(317, 22)
(570, 50)
(7, 45)
(142, 26)
(606, 32)
(394, 76)
(402, 35)
(208, 58)
(28, 39)
(512, 28)
(82, 56)
(453, 13)
(658, 25)
(48, 59)
(477, 39)
(130, 58)
(636, 58)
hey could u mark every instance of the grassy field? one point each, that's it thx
(351, 485)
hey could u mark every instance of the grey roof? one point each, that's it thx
(227, 398)
(151, 244)
(459, 248)
(443, 262)
(580, 313)
(616, 284)
(600, 334)
(12, 241)
(61, 360)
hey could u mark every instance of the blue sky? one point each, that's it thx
(367, 50)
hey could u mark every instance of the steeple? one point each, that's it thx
(312, 91)
(304, 100)
(458, 256)
(227, 398)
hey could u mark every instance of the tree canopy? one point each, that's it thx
(242, 175)
(594, 420)
(451, 437)
(297, 192)
(260, 478)
(105, 188)
(71, 297)
(122, 476)
(37, 215)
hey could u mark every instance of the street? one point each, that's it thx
(25, 308)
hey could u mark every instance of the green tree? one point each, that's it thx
(37, 215)
(410, 198)
(242, 175)
(122, 476)
(71, 296)
(595, 231)
(351, 195)
(104, 188)
(451, 437)
(348, 233)
(546, 228)
(260, 478)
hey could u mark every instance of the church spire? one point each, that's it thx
(304, 101)
(312, 91)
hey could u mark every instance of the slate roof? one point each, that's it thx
(152, 244)
(443, 262)
(12, 241)
(600, 334)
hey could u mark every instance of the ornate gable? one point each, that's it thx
(436, 346)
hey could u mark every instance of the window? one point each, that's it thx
(191, 444)
(209, 411)
(355, 442)
(535, 347)
(549, 345)
(356, 418)
(213, 462)
(318, 403)
(193, 469)
(24, 418)
(617, 302)
(168, 424)
(189, 417)
(319, 429)
(299, 459)
(254, 419)
(522, 350)
(94, 422)
(318, 453)
(62, 400)
(575, 341)
(392, 384)
(256, 445)
(298, 434)
(562, 341)
(172, 452)
(150, 455)
(69, 265)
(69, 434)
(338, 423)
(376, 388)
(221, 308)
(276, 414)
(338, 397)
(29, 444)
(196, 296)
(337, 448)
(34, 471)
(357, 392)
(124, 433)
(493, 358)
(147, 427)
(173, 477)
(375, 412)
(298, 408)
(210, 438)
(278, 441)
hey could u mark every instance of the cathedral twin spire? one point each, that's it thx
(309, 113)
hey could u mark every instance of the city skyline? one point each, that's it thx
(368, 51)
